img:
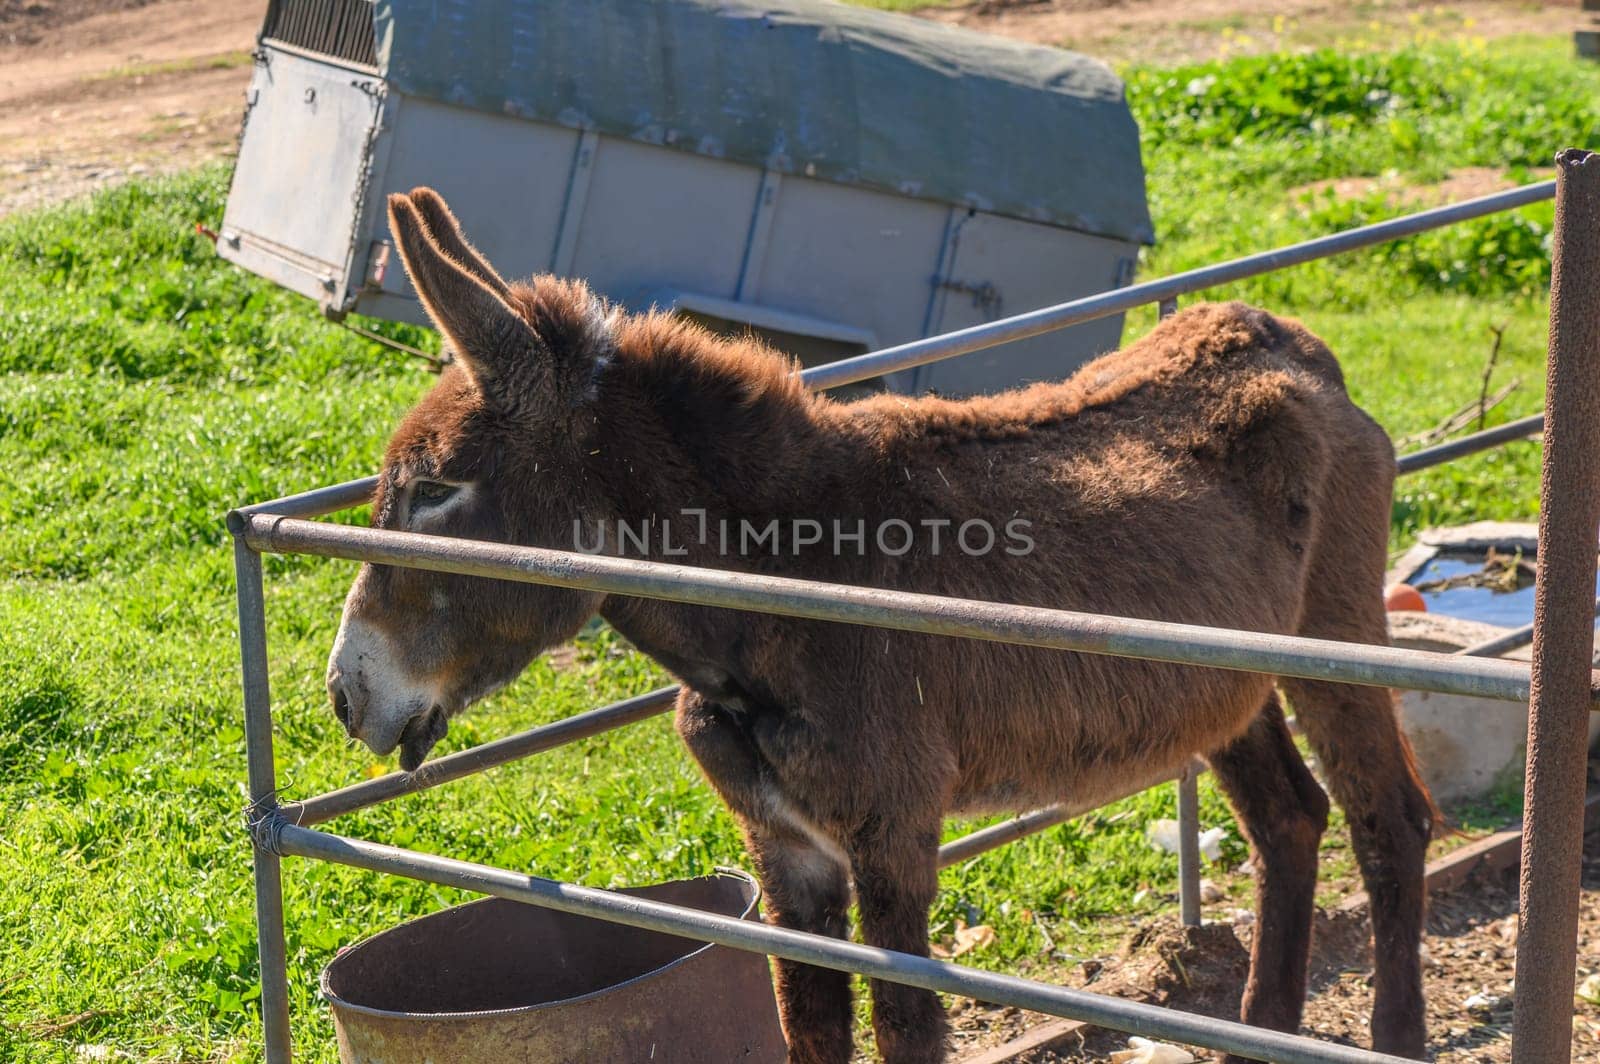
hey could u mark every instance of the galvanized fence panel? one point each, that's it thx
(278, 526)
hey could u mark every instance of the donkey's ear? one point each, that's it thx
(446, 232)
(490, 339)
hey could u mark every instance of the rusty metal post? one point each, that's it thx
(1563, 639)
(272, 952)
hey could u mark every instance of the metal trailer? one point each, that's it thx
(1560, 683)
(834, 179)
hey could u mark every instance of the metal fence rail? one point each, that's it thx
(480, 758)
(282, 829)
(1092, 633)
(1116, 1013)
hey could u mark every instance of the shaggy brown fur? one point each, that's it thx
(1214, 472)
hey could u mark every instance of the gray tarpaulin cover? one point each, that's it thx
(802, 86)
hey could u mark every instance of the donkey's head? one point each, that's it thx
(492, 453)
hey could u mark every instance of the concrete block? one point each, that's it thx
(1466, 747)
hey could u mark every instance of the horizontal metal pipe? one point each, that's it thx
(1512, 640)
(1185, 644)
(1134, 1017)
(324, 807)
(480, 758)
(1048, 319)
(1493, 648)
(1428, 457)
(313, 503)
(1007, 831)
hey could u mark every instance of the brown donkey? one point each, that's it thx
(1215, 472)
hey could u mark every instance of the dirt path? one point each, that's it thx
(93, 90)
(1469, 961)
(1176, 31)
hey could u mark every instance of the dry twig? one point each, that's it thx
(61, 1025)
(1488, 370)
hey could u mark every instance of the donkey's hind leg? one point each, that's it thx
(1368, 765)
(1283, 812)
(1366, 760)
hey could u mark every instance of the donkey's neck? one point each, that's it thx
(695, 443)
(684, 421)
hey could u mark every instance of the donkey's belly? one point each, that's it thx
(1146, 723)
(1080, 791)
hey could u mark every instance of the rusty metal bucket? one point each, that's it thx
(499, 981)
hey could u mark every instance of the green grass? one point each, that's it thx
(218, 61)
(145, 386)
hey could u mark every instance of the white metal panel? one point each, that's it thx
(300, 168)
(997, 267)
(655, 217)
(861, 257)
(504, 178)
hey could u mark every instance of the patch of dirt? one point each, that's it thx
(27, 21)
(1465, 183)
(1176, 31)
(92, 91)
(1195, 969)
(976, 1026)
(1469, 961)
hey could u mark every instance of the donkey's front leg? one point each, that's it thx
(806, 888)
(895, 866)
(805, 885)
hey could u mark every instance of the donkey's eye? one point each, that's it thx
(430, 492)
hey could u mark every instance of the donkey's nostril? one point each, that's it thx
(341, 708)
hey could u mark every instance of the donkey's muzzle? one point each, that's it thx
(420, 734)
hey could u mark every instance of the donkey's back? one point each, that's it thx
(1201, 475)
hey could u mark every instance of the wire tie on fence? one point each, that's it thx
(265, 821)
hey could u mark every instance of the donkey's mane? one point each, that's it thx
(682, 357)
(694, 377)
